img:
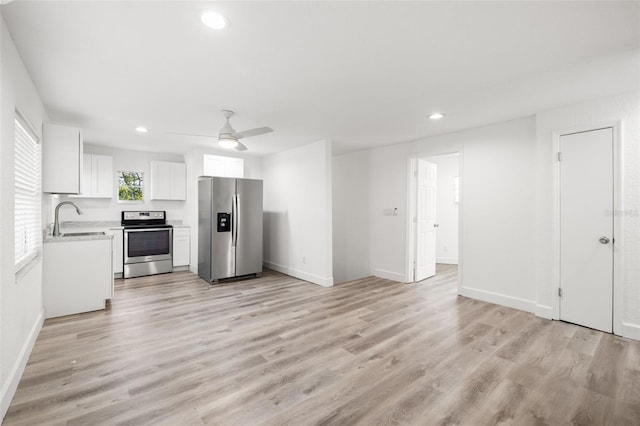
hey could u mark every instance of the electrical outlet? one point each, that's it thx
(304, 259)
(445, 249)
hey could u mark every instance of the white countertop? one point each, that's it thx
(178, 224)
(109, 224)
(52, 239)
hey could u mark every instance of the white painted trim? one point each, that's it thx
(303, 275)
(329, 212)
(618, 231)
(631, 331)
(499, 299)
(389, 275)
(11, 384)
(460, 217)
(447, 260)
(544, 311)
(555, 229)
(410, 239)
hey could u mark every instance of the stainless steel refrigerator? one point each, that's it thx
(229, 227)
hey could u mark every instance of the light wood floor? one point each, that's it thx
(173, 350)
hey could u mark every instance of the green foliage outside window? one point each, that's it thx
(130, 186)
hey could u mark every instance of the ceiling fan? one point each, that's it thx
(228, 137)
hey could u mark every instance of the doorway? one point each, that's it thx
(433, 216)
(586, 206)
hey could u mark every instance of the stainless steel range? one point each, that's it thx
(148, 243)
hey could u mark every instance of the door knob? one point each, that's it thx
(604, 240)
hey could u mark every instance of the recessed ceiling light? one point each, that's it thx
(436, 116)
(142, 129)
(213, 20)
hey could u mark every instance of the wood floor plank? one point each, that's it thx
(174, 350)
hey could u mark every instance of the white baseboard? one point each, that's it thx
(630, 330)
(544, 311)
(180, 268)
(388, 275)
(303, 275)
(499, 299)
(447, 260)
(10, 386)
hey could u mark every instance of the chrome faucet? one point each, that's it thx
(56, 225)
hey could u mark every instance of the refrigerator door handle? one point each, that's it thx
(235, 212)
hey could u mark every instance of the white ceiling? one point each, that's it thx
(362, 74)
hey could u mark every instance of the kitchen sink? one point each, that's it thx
(81, 234)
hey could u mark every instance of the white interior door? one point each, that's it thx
(586, 229)
(426, 220)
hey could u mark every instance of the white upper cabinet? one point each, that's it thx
(97, 176)
(168, 180)
(61, 159)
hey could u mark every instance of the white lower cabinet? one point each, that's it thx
(181, 246)
(118, 249)
(77, 275)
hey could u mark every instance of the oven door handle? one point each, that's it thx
(146, 229)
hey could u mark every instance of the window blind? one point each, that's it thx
(28, 237)
(216, 165)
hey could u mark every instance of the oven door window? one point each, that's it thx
(149, 243)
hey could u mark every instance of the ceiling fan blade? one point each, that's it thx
(191, 134)
(241, 147)
(253, 132)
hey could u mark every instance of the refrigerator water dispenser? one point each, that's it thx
(224, 222)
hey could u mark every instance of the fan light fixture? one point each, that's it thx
(227, 141)
(213, 20)
(436, 116)
(228, 137)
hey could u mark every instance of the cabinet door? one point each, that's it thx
(66, 266)
(168, 181)
(118, 250)
(86, 188)
(97, 176)
(61, 159)
(181, 246)
(102, 176)
(160, 180)
(178, 181)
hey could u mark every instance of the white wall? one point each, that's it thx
(194, 160)
(297, 208)
(446, 209)
(351, 205)
(21, 310)
(498, 204)
(625, 109)
(388, 189)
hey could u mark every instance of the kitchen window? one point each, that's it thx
(217, 165)
(130, 186)
(27, 195)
